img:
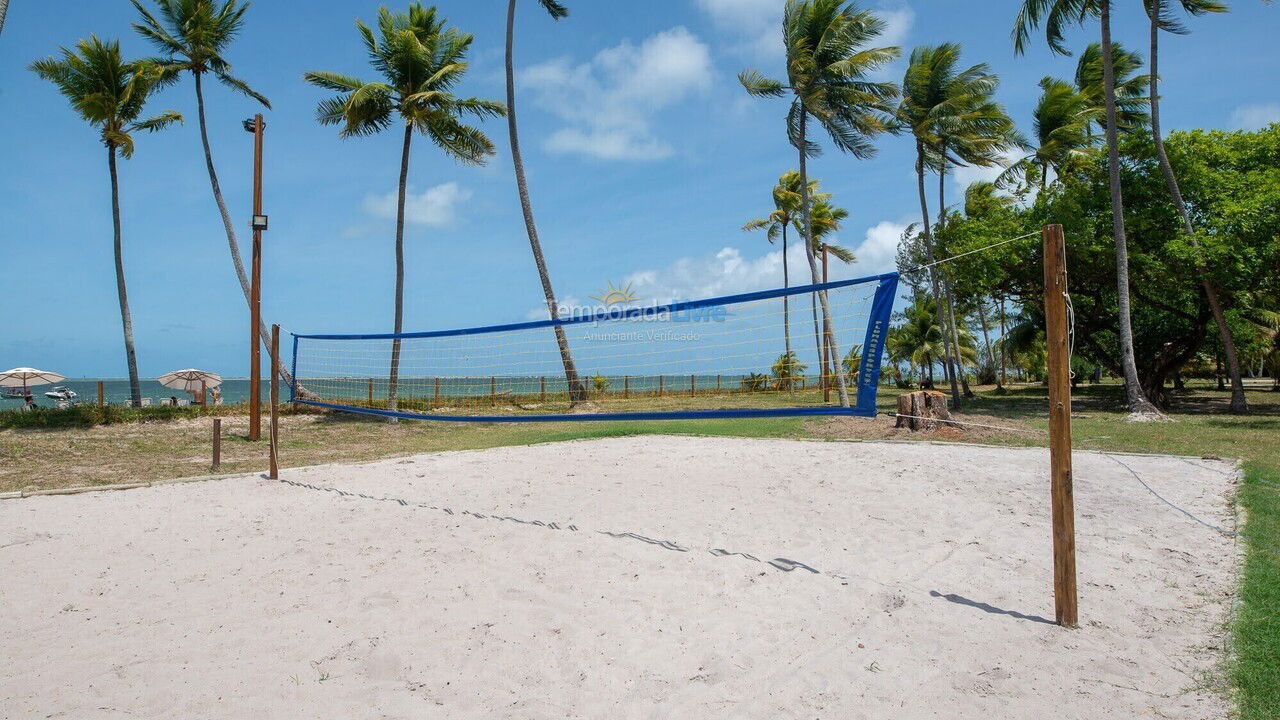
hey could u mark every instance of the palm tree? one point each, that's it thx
(1131, 89)
(110, 94)
(1160, 13)
(826, 219)
(982, 197)
(420, 61)
(919, 339)
(577, 392)
(786, 204)
(4, 9)
(828, 61)
(948, 111)
(192, 36)
(1061, 124)
(1057, 15)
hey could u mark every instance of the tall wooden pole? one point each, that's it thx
(275, 402)
(255, 292)
(217, 443)
(101, 395)
(1063, 504)
(826, 340)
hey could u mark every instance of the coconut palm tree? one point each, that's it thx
(420, 61)
(948, 110)
(1060, 122)
(577, 391)
(1131, 85)
(826, 219)
(4, 10)
(828, 63)
(1057, 16)
(110, 94)
(982, 197)
(192, 36)
(786, 212)
(1162, 16)
(971, 129)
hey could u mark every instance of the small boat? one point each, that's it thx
(15, 393)
(61, 393)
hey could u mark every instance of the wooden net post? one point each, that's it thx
(217, 443)
(1063, 503)
(275, 402)
(370, 392)
(542, 389)
(101, 397)
(626, 386)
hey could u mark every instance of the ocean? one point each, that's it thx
(116, 390)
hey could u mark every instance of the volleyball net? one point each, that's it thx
(718, 357)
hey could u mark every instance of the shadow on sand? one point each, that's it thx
(961, 600)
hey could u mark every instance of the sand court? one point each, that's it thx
(643, 577)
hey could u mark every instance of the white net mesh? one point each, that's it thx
(714, 357)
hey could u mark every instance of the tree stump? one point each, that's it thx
(922, 410)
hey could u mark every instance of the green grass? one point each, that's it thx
(1255, 670)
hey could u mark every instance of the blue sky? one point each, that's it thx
(644, 159)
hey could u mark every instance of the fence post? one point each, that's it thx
(626, 386)
(370, 392)
(275, 403)
(1059, 351)
(693, 385)
(717, 383)
(217, 443)
(493, 390)
(436, 395)
(101, 397)
(660, 381)
(542, 389)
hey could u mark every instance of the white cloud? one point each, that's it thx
(1255, 117)
(609, 103)
(757, 26)
(756, 22)
(436, 206)
(879, 249)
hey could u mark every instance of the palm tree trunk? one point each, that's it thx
(1238, 403)
(986, 333)
(1137, 400)
(786, 299)
(951, 301)
(577, 390)
(263, 332)
(1004, 378)
(933, 275)
(827, 329)
(4, 9)
(126, 318)
(394, 380)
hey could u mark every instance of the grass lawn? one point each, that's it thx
(67, 450)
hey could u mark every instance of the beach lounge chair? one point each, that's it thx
(146, 402)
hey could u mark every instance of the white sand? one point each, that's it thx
(246, 598)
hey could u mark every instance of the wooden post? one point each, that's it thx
(693, 385)
(542, 389)
(717, 383)
(626, 386)
(217, 443)
(436, 393)
(101, 396)
(1063, 503)
(275, 402)
(659, 386)
(255, 292)
(493, 390)
(826, 338)
(204, 394)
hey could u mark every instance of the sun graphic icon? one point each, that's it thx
(615, 295)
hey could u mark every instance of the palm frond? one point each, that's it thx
(242, 87)
(758, 85)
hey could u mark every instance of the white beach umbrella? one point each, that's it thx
(25, 377)
(190, 380)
